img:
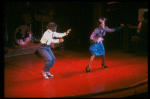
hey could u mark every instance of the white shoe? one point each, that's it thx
(49, 74)
(45, 75)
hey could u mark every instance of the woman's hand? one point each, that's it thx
(122, 25)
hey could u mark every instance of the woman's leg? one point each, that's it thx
(103, 61)
(91, 59)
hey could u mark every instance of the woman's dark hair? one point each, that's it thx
(98, 23)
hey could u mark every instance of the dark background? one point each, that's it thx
(81, 17)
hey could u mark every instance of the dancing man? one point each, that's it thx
(44, 47)
(96, 38)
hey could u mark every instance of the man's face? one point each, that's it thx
(55, 28)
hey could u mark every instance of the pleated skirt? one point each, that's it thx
(97, 49)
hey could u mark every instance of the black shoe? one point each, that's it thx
(104, 65)
(87, 69)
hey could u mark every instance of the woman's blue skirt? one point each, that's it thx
(97, 49)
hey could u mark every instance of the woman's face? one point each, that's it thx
(102, 26)
(102, 23)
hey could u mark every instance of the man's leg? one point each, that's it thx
(52, 62)
(49, 61)
(47, 57)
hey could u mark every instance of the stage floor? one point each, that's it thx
(23, 78)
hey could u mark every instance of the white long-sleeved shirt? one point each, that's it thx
(48, 36)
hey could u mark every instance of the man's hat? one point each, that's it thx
(51, 24)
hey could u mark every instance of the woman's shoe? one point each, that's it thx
(104, 65)
(87, 69)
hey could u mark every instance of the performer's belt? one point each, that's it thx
(93, 42)
(98, 42)
(42, 44)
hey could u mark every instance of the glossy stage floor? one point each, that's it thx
(127, 75)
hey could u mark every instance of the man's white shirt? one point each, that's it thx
(48, 36)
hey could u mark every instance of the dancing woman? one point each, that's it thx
(96, 38)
